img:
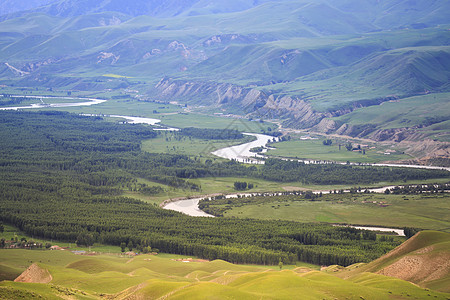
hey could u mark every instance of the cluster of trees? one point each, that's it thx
(7, 100)
(409, 231)
(212, 134)
(419, 188)
(242, 185)
(256, 149)
(331, 174)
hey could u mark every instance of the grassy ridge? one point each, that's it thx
(429, 252)
(152, 277)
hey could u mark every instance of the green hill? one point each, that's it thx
(423, 260)
(153, 277)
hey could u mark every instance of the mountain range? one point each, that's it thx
(305, 62)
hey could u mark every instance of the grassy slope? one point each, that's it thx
(151, 277)
(422, 259)
(408, 112)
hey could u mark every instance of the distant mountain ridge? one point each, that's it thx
(382, 14)
(12, 6)
(157, 8)
(301, 61)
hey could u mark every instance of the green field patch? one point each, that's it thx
(315, 150)
(216, 122)
(422, 211)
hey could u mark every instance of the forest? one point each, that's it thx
(62, 177)
(211, 134)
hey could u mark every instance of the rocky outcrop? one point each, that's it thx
(326, 126)
(108, 57)
(251, 101)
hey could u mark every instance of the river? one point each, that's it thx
(88, 102)
(242, 152)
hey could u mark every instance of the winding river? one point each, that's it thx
(239, 153)
(242, 152)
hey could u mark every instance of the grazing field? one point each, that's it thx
(316, 150)
(177, 277)
(421, 211)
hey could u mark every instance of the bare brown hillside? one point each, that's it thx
(35, 274)
(423, 259)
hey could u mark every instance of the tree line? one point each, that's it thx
(211, 134)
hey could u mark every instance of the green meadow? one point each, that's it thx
(315, 150)
(421, 211)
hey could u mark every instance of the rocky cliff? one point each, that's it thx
(252, 102)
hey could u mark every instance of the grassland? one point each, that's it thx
(422, 211)
(425, 112)
(315, 150)
(152, 277)
(429, 250)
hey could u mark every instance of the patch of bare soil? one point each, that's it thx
(419, 268)
(35, 274)
(190, 260)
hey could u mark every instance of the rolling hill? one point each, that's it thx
(423, 260)
(302, 62)
(61, 274)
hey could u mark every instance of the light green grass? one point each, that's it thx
(315, 150)
(422, 211)
(125, 107)
(170, 114)
(149, 276)
(408, 112)
(215, 122)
